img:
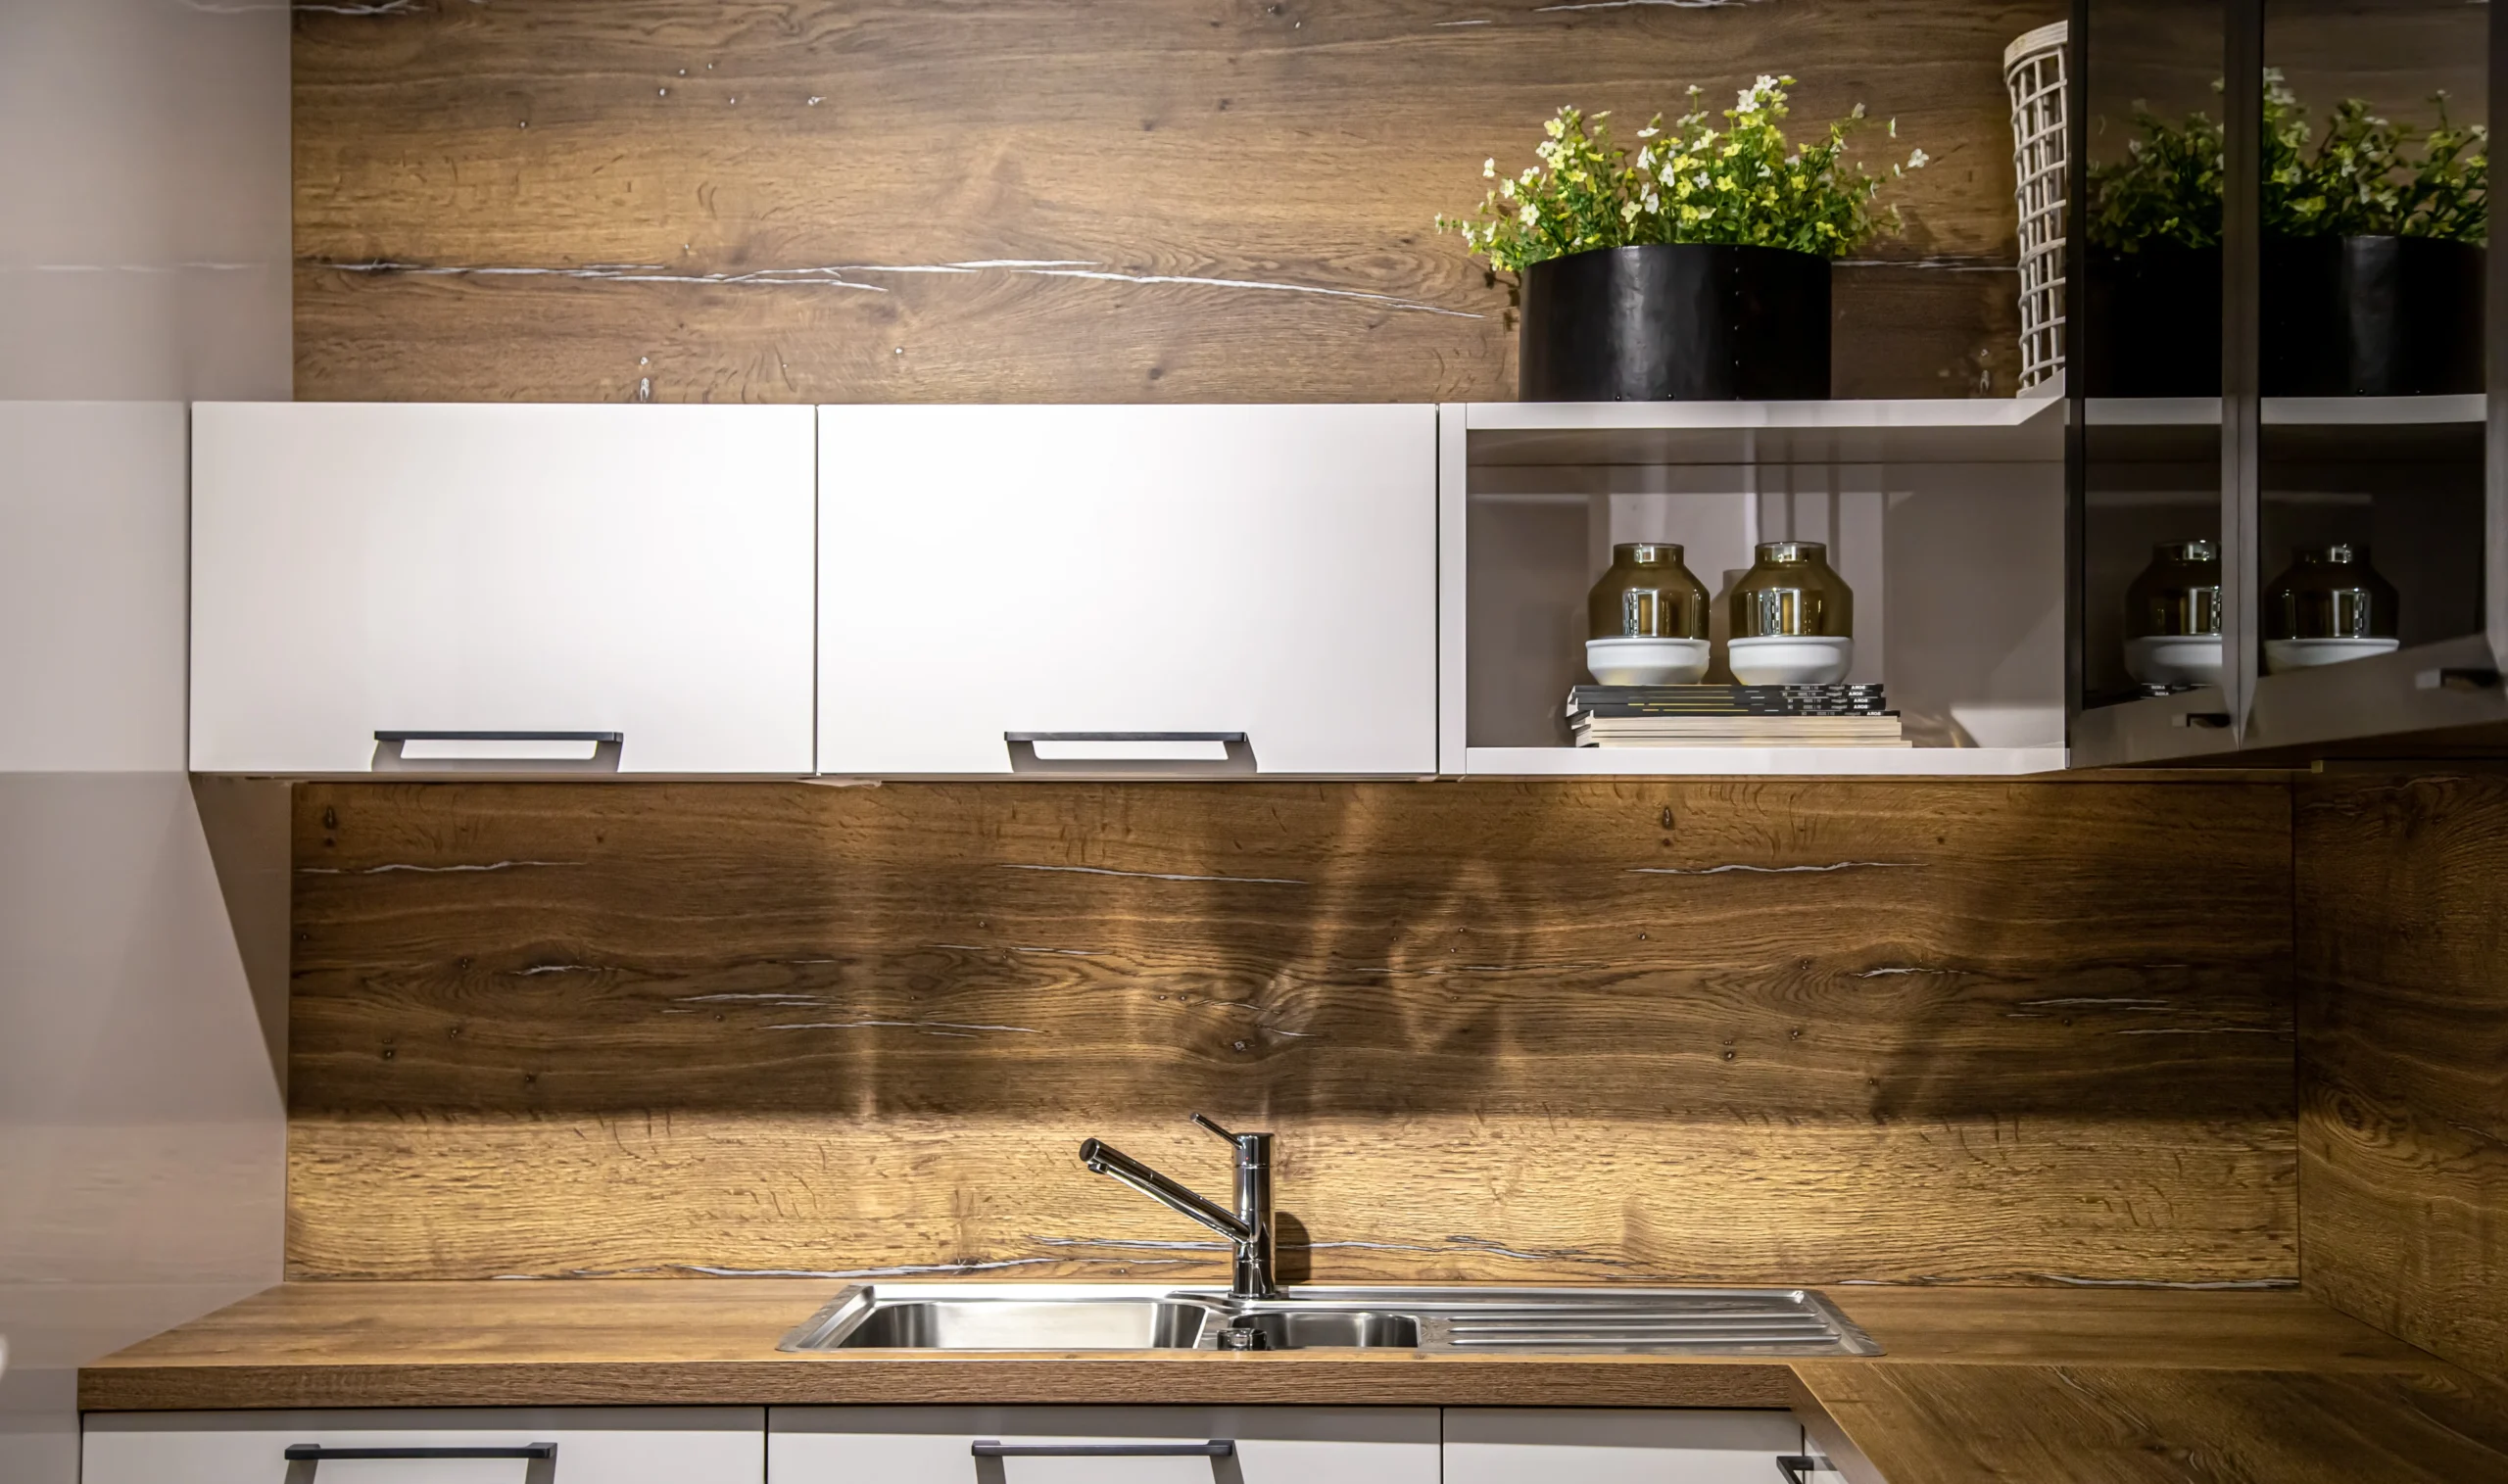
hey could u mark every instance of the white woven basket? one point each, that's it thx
(2033, 68)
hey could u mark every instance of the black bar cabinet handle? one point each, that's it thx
(589, 736)
(1123, 737)
(1798, 1469)
(315, 1453)
(1238, 746)
(989, 1448)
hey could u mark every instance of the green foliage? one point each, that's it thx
(1744, 183)
(2364, 178)
(2166, 192)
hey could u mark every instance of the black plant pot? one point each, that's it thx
(2154, 324)
(1675, 321)
(2371, 316)
(2342, 316)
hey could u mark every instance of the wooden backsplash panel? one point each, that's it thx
(1745, 1030)
(2402, 918)
(1176, 200)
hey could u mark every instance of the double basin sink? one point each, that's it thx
(1127, 1316)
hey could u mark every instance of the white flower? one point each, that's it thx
(1919, 160)
(1530, 215)
(1489, 169)
(1648, 133)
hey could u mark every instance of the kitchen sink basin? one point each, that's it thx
(1309, 1328)
(1452, 1321)
(1027, 1324)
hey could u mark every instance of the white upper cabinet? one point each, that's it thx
(1121, 590)
(563, 588)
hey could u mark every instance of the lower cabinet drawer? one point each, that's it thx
(602, 1445)
(1104, 1444)
(1580, 1446)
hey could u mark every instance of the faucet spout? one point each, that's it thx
(1103, 1158)
(1248, 1229)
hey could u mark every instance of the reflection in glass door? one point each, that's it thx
(2373, 207)
(2147, 375)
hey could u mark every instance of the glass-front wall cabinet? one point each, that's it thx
(2370, 528)
(2282, 518)
(2147, 382)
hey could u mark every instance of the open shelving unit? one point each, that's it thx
(1946, 517)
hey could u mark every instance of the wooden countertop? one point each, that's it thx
(1979, 1384)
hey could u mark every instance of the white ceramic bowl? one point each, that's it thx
(2282, 655)
(1791, 660)
(1647, 661)
(2174, 659)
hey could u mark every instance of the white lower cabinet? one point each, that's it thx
(594, 1445)
(1104, 1444)
(1582, 1446)
(942, 1445)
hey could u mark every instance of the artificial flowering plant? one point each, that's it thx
(1744, 183)
(2361, 179)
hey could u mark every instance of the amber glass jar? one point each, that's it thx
(1648, 593)
(2329, 593)
(2178, 594)
(1791, 590)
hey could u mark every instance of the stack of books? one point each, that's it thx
(1732, 716)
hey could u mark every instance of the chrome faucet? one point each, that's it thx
(1250, 1228)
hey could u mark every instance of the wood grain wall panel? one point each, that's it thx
(2402, 932)
(1720, 1031)
(2115, 1424)
(1026, 200)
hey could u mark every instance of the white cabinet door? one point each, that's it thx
(1102, 1445)
(1564, 1446)
(644, 571)
(595, 1445)
(1120, 571)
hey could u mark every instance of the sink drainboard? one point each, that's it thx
(1779, 1324)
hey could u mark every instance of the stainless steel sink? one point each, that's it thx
(1065, 1317)
(1290, 1328)
(1112, 1324)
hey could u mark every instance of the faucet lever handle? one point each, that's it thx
(1206, 1123)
